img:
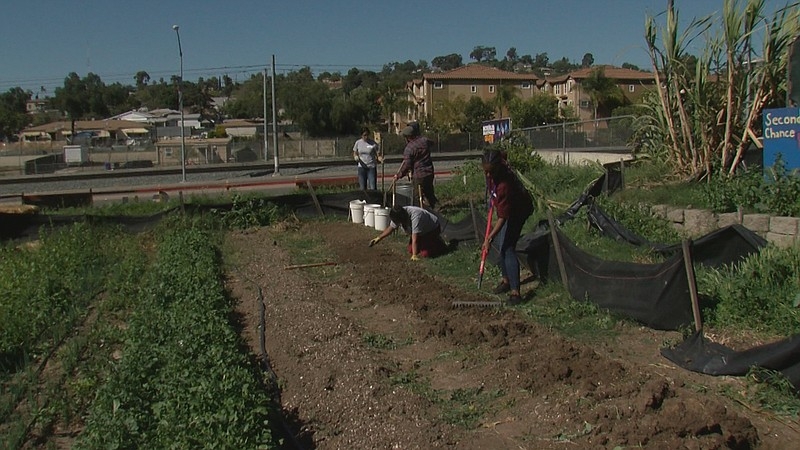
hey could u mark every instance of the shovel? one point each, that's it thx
(385, 192)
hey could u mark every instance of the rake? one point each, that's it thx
(486, 304)
(485, 251)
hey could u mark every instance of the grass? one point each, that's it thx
(380, 341)
(463, 407)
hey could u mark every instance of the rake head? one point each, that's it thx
(485, 304)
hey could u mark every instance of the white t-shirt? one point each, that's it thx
(422, 221)
(367, 151)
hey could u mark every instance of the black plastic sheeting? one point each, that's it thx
(724, 246)
(698, 354)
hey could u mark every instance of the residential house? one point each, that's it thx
(36, 105)
(166, 122)
(466, 81)
(99, 132)
(569, 92)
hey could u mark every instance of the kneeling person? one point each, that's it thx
(423, 227)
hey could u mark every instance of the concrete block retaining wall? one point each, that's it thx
(781, 231)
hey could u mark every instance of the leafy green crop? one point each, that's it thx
(182, 381)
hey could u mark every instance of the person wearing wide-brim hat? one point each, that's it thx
(417, 160)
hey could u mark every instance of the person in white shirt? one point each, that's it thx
(423, 227)
(366, 153)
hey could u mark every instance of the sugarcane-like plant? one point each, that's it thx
(711, 104)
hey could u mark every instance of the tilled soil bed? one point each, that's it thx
(370, 354)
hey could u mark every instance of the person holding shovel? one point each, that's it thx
(513, 205)
(425, 232)
(366, 154)
(417, 161)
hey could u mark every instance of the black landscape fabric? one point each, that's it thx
(656, 295)
(724, 246)
(698, 354)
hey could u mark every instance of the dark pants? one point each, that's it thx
(426, 183)
(367, 177)
(508, 237)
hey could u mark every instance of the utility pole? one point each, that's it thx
(275, 172)
(266, 135)
(180, 105)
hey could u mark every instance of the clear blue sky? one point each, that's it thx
(41, 41)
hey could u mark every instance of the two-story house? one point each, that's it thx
(568, 89)
(466, 81)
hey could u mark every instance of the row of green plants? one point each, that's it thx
(75, 339)
(184, 380)
(46, 288)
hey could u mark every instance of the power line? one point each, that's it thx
(211, 71)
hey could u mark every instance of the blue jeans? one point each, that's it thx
(367, 178)
(508, 238)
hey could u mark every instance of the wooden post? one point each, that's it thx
(474, 221)
(622, 173)
(557, 247)
(305, 266)
(687, 261)
(314, 197)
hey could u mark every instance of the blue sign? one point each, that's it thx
(495, 130)
(782, 137)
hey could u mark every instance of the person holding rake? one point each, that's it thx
(513, 205)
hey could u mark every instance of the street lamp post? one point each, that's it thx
(180, 105)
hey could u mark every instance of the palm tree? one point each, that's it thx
(393, 99)
(601, 89)
(502, 98)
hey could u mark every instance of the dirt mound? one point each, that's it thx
(370, 354)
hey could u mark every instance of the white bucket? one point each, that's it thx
(369, 214)
(357, 211)
(381, 218)
(404, 194)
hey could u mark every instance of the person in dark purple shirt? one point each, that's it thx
(513, 205)
(417, 160)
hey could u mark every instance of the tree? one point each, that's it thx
(449, 62)
(307, 102)
(541, 60)
(247, 101)
(603, 91)
(393, 99)
(475, 112)
(119, 98)
(540, 109)
(95, 93)
(502, 98)
(12, 111)
(448, 116)
(480, 53)
(627, 65)
(511, 54)
(142, 78)
(588, 60)
(562, 66)
(72, 99)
